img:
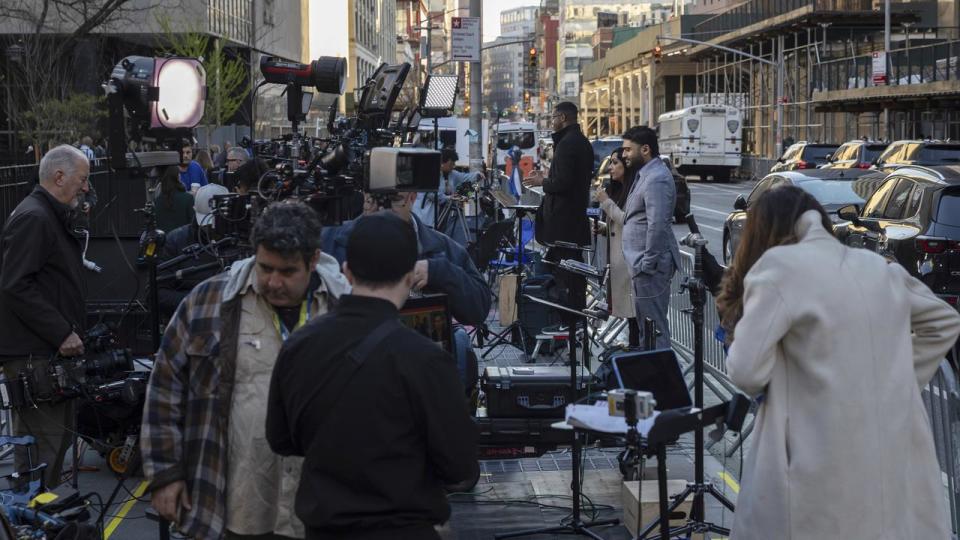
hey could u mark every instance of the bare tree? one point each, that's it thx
(40, 38)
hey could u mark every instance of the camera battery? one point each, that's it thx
(531, 391)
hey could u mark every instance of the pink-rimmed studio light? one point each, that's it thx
(161, 93)
(182, 90)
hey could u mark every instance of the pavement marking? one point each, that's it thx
(729, 481)
(712, 228)
(711, 210)
(720, 188)
(115, 522)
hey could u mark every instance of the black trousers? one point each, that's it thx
(573, 286)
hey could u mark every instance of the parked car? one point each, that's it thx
(926, 153)
(804, 155)
(914, 219)
(855, 155)
(833, 194)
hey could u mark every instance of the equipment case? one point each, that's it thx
(530, 391)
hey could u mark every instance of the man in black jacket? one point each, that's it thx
(562, 216)
(375, 408)
(42, 307)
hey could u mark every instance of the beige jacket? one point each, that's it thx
(621, 287)
(842, 447)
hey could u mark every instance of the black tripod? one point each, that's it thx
(576, 524)
(515, 325)
(698, 488)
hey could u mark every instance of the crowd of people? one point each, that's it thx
(287, 400)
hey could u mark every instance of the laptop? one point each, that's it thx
(430, 316)
(657, 372)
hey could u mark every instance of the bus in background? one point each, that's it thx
(523, 135)
(704, 141)
(453, 134)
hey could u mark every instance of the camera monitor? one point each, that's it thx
(392, 169)
(380, 93)
(430, 316)
(654, 371)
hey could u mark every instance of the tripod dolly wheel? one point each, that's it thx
(123, 461)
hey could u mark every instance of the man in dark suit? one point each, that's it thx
(562, 216)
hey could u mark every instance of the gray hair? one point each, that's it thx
(238, 153)
(65, 158)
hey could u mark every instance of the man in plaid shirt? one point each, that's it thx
(205, 454)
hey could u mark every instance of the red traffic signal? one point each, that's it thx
(532, 59)
(657, 53)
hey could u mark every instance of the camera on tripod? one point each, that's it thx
(643, 403)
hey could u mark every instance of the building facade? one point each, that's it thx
(246, 29)
(510, 82)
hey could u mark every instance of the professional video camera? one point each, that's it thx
(360, 154)
(102, 364)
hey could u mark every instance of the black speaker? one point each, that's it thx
(535, 317)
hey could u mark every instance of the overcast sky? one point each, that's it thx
(491, 15)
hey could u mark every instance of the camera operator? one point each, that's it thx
(196, 233)
(443, 267)
(204, 452)
(42, 307)
(375, 408)
(428, 205)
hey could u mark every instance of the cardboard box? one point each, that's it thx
(507, 297)
(651, 504)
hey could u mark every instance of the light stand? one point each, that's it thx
(698, 488)
(502, 337)
(151, 242)
(576, 524)
(437, 100)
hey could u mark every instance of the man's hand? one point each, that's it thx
(534, 179)
(72, 346)
(421, 274)
(169, 499)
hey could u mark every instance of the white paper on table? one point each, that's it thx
(597, 417)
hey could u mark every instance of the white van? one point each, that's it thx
(704, 140)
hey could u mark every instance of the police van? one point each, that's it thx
(704, 140)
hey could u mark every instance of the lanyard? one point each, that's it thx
(304, 317)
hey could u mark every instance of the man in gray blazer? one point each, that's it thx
(649, 245)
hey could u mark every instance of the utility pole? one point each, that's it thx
(476, 98)
(886, 56)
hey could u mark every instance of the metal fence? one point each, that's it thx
(941, 396)
(911, 65)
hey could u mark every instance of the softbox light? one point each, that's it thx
(439, 95)
(161, 93)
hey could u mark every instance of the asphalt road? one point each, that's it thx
(710, 203)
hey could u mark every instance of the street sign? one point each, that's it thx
(465, 39)
(879, 68)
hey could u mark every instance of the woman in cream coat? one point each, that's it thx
(621, 286)
(839, 343)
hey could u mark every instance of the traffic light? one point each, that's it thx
(532, 59)
(657, 53)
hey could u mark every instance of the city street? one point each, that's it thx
(710, 203)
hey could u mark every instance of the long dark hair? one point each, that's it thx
(629, 175)
(170, 184)
(771, 222)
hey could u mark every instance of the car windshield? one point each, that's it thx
(602, 149)
(508, 139)
(818, 153)
(949, 211)
(832, 192)
(940, 154)
(871, 151)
